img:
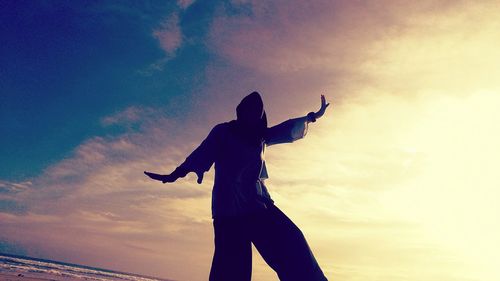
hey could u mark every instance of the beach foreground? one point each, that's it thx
(14, 276)
(18, 268)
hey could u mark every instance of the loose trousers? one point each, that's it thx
(279, 241)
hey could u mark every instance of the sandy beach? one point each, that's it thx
(14, 276)
(20, 268)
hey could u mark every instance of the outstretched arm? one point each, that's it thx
(172, 177)
(199, 161)
(294, 129)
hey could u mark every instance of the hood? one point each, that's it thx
(250, 106)
(251, 117)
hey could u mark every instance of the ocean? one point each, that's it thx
(19, 267)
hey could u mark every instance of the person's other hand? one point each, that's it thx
(162, 178)
(323, 107)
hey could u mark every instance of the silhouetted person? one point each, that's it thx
(242, 209)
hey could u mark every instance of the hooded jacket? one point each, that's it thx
(237, 148)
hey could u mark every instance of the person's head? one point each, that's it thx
(250, 109)
(251, 121)
(250, 112)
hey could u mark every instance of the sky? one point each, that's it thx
(397, 181)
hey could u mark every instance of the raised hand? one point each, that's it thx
(162, 178)
(323, 107)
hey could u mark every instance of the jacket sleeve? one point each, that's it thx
(202, 158)
(287, 131)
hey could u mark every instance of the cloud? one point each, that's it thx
(279, 37)
(184, 4)
(14, 187)
(98, 200)
(130, 115)
(169, 34)
(154, 67)
(301, 49)
(170, 38)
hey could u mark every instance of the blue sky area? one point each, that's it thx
(68, 64)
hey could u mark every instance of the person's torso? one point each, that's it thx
(239, 174)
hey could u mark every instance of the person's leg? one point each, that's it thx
(232, 258)
(284, 247)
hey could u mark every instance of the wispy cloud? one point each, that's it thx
(184, 4)
(130, 115)
(169, 34)
(14, 187)
(170, 39)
